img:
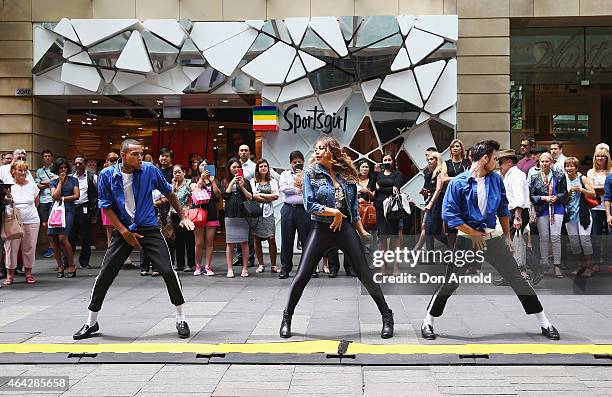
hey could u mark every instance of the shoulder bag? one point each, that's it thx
(12, 228)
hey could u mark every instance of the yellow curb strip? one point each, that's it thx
(519, 348)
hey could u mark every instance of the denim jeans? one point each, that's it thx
(600, 237)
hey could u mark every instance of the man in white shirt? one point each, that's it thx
(5, 170)
(85, 210)
(248, 166)
(517, 193)
(556, 149)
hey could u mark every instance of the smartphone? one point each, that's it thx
(240, 172)
(211, 169)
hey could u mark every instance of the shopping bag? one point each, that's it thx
(57, 217)
(396, 206)
(200, 196)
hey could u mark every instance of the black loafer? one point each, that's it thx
(427, 332)
(183, 329)
(86, 331)
(551, 333)
(283, 274)
(332, 274)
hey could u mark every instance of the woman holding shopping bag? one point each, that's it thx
(64, 191)
(25, 199)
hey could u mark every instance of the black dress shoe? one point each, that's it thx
(85, 266)
(551, 333)
(285, 328)
(60, 274)
(387, 325)
(315, 275)
(333, 274)
(283, 274)
(183, 329)
(427, 332)
(71, 274)
(86, 331)
(500, 282)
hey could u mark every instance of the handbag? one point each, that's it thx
(198, 216)
(252, 209)
(166, 228)
(396, 207)
(200, 196)
(368, 215)
(57, 216)
(12, 228)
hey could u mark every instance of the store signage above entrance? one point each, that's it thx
(315, 119)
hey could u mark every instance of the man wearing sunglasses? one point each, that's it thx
(527, 162)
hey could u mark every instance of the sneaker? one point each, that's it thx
(48, 253)
(198, 270)
(209, 270)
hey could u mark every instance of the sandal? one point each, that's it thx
(30, 280)
(260, 269)
(274, 269)
(8, 280)
(245, 273)
(230, 275)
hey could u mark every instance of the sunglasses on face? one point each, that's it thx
(522, 145)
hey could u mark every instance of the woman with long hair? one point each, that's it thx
(454, 166)
(434, 182)
(387, 182)
(64, 189)
(600, 231)
(236, 190)
(184, 242)
(205, 235)
(330, 196)
(24, 197)
(548, 193)
(265, 191)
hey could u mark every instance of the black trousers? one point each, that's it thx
(81, 228)
(498, 255)
(321, 240)
(293, 219)
(154, 245)
(184, 242)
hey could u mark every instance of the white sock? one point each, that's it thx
(544, 323)
(92, 318)
(429, 320)
(180, 313)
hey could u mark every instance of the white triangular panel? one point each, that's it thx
(297, 28)
(43, 40)
(403, 85)
(272, 65)
(81, 57)
(418, 140)
(357, 109)
(134, 56)
(226, 56)
(444, 95)
(192, 72)
(82, 76)
(420, 44)
(124, 80)
(405, 23)
(70, 49)
(297, 70)
(311, 63)
(442, 25)
(401, 61)
(329, 30)
(45, 86)
(427, 75)
(300, 89)
(423, 117)
(413, 188)
(271, 93)
(449, 115)
(332, 101)
(168, 29)
(91, 31)
(369, 89)
(208, 34)
(107, 75)
(256, 23)
(147, 89)
(64, 28)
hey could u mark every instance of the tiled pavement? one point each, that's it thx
(238, 310)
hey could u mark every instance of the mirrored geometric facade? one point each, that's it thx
(392, 78)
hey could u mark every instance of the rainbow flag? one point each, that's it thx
(265, 118)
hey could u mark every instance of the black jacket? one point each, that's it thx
(537, 189)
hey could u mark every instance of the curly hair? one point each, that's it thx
(341, 162)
